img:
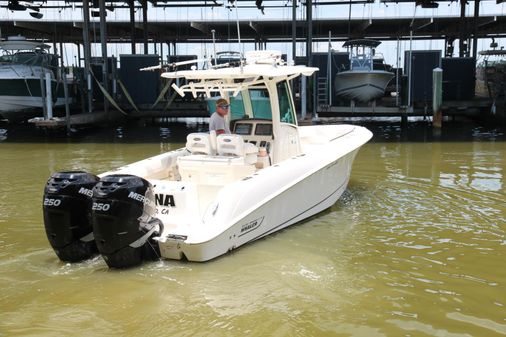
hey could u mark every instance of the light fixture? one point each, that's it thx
(36, 15)
(14, 5)
(427, 4)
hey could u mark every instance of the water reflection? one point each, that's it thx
(435, 232)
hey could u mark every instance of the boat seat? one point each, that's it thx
(199, 143)
(213, 170)
(234, 146)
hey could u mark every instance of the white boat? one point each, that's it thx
(22, 66)
(217, 193)
(362, 82)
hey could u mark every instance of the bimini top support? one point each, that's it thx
(260, 67)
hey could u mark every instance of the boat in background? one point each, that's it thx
(491, 75)
(363, 81)
(217, 193)
(23, 69)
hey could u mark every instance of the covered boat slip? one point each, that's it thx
(362, 82)
(25, 67)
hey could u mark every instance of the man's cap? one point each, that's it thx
(221, 101)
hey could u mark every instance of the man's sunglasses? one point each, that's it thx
(225, 106)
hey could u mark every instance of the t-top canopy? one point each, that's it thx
(260, 63)
(248, 71)
(493, 52)
(23, 45)
(259, 68)
(362, 42)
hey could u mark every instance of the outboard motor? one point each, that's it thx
(66, 207)
(122, 209)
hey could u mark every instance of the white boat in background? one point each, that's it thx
(22, 67)
(217, 193)
(362, 82)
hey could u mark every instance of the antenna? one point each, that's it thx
(239, 33)
(410, 56)
(214, 46)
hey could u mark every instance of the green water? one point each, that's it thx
(415, 247)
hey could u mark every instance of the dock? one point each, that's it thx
(469, 108)
(79, 120)
(105, 81)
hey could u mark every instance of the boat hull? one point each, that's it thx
(20, 92)
(248, 209)
(14, 106)
(267, 219)
(362, 86)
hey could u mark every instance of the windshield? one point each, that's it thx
(5, 58)
(286, 111)
(34, 59)
(260, 107)
(260, 103)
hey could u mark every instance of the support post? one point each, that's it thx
(294, 41)
(397, 74)
(145, 24)
(161, 52)
(55, 50)
(410, 71)
(309, 52)
(475, 27)
(315, 97)
(87, 53)
(294, 29)
(61, 54)
(103, 41)
(404, 120)
(131, 4)
(43, 95)
(303, 97)
(49, 96)
(309, 41)
(329, 71)
(78, 55)
(437, 97)
(67, 106)
(463, 48)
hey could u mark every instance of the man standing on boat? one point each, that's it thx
(217, 121)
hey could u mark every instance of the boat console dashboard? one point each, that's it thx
(255, 131)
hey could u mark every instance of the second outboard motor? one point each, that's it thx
(66, 206)
(123, 207)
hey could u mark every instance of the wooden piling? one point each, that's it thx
(437, 97)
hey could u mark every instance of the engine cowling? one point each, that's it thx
(66, 208)
(123, 209)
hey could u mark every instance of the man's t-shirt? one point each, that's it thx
(216, 122)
